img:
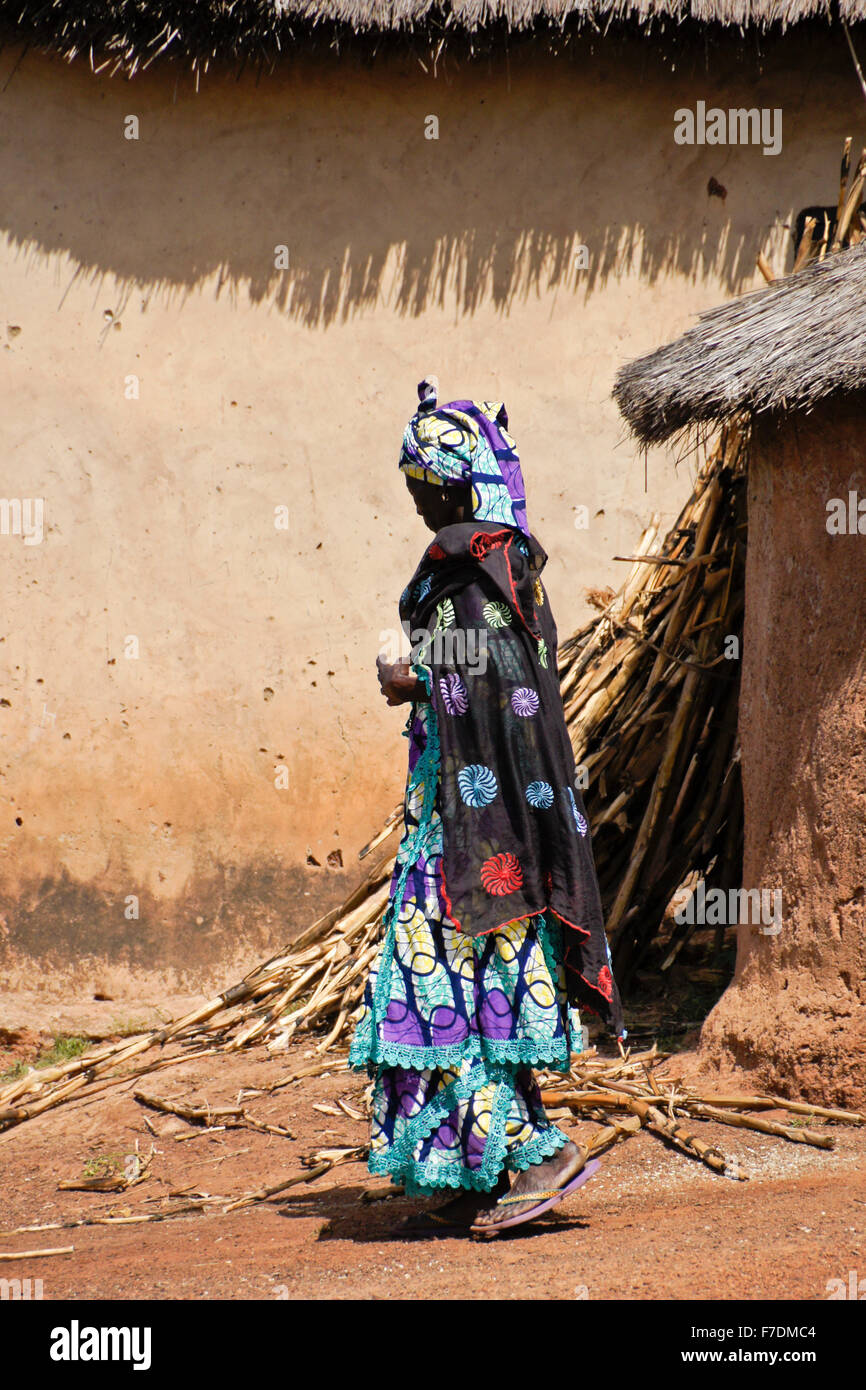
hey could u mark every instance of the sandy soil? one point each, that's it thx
(652, 1225)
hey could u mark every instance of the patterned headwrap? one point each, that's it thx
(467, 442)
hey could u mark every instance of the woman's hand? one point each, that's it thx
(399, 683)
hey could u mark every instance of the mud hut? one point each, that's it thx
(791, 360)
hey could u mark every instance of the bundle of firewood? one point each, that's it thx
(651, 693)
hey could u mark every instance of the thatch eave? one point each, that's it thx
(784, 347)
(129, 35)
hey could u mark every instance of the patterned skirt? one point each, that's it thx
(451, 1025)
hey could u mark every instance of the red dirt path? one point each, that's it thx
(653, 1225)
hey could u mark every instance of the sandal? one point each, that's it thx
(546, 1201)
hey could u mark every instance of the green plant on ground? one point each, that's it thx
(64, 1047)
(105, 1165)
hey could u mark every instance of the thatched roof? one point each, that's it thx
(131, 33)
(788, 345)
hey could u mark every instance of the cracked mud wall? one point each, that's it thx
(795, 1014)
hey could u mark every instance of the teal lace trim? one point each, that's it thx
(536, 1150)
(399, 1155)
(434, 1172)
(362, 1042)
(550, 936)
(370, 1050)
(424, 673)
(367, 1049)
(426, 1178)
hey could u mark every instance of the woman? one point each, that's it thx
(493, 933)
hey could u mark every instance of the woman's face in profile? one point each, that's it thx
(437, 506)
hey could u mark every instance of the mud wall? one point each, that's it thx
(795, 1013)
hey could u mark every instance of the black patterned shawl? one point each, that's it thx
(515, 835)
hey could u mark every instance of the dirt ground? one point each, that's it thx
(653, 1224)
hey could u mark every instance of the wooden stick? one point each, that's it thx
(611, 1134)
(36, 1254)
(733, 1117)
(844, 171)
(764, 266)
(804, 250)
(852, 202)
(655, 802)
(250, 1198)
(656, 1123)
(195, 1114)
(851, 1117)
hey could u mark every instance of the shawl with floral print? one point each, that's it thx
(516, 839)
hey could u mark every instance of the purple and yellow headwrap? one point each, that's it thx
(467, 442)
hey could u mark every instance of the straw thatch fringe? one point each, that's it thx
(130, 34)
(786, 346)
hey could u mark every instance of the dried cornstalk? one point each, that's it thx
(671, 1130)
(222, 1117)
(796, 1107)
(114, 1182)
(733, 1117)
(36, 1254)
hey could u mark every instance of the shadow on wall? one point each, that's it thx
(535, 157)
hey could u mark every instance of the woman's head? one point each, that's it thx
(459, 458)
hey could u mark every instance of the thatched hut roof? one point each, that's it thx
(132, 33)
(788, 345)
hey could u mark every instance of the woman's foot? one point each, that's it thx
(548, 1176)
(461, 1211)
